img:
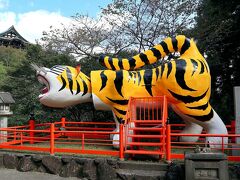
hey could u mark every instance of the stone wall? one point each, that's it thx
(64, 166)
(99, 168)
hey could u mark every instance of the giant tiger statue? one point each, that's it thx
(185, 81)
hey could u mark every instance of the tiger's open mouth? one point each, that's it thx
(44, 82)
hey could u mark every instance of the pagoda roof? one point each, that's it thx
(14, 35)
(6, 98)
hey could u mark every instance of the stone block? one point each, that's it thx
(52, 164)
(37, 158)
(71, 169)
(90, 169)
(206, 166)
(105, 171)
(1, 161)
(10, 161)
(26, 164)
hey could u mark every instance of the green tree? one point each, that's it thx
(217, 32)
(25, 88)
(10, 58)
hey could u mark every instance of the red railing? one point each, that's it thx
(52, 138)
(176, 149)
(94, 137)
(67, 137)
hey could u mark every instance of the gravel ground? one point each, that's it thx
(12, 174)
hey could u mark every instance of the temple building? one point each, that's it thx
(12, 38)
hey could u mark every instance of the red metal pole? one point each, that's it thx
(233, 128)
(21, 139)
(52, 138)
(15, 135)
(63, 121)
(121, 145)
(83, 141)
(168, 143)
(165, 108)
(223, 144)
(31, 133)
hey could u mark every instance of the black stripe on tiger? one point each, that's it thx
(147, 77)
(175, 44)
(121, 111)
(129, 75)
(120, 102)
(202, 67)
(202, 107)
(111, 63)
(169, 64)
(156, 53)
(157, 73)
(120, 63)
(165, 47)
(69, 77)
(195, 65)
(104, 80)
(139, 77)
(180, 72)
(144, 58)
(188, 99)
(120, 120)
(132, 64)
(118, 82)
(85, 87)
(205, 65)
(185, 46)
(162, 69)
(134, 76)
(64, 83)
(101, 60)
(58, 68)
(78, 87)
(57, 73)
(203, 118)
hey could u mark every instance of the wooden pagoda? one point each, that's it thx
(12, 38)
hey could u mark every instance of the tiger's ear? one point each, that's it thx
(78, 68)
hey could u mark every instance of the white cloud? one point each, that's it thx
(6, 20)
(31, 24)
(4, 4)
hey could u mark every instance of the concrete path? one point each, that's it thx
(13, 174)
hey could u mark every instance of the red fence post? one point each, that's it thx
(165, 111)
(121, 145)
(168, 143)
(83, 138)
(21, 140)
(63, 121)
(31, 128)
(233, 128)
(52, 138)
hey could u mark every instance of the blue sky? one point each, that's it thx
(65, 7)
(32, 17)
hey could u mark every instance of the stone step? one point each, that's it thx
(130, 174)
(141, 165)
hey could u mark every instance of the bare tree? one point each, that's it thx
(123, 24)
(145, 22)
(84, 37)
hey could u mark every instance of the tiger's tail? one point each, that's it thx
(169, 45)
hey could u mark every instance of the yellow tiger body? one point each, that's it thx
(187, 77)
(136, 87)
(185, 81)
